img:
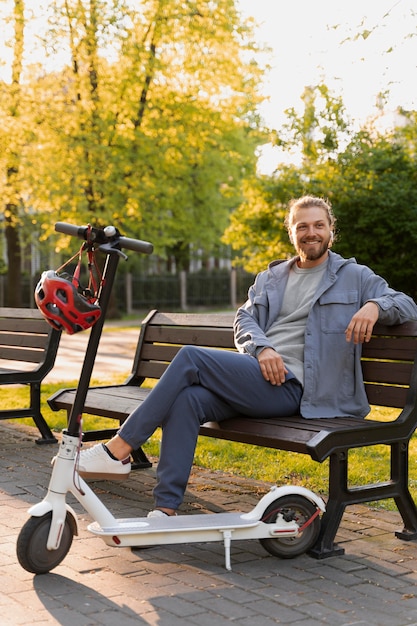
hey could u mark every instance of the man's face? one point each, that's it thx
(311, 235)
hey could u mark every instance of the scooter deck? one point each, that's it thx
(151, 531)
(175, 524)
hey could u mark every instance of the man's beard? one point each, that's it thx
(314, 254)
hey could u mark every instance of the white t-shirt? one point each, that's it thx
(287, 332)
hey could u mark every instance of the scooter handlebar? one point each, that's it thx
(136, 245)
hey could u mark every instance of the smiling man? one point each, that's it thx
(299, 337)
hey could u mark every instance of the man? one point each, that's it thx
(299, 337)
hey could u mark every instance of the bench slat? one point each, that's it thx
(24, 339)
(193, 336)
(210, 320)
(387, 349)
(104, 401)
(150, 369)
(22, 354)
(24, 326)
(158, 352)
(22, 313)
(390, 372)
(393, 397)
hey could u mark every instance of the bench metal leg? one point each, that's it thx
(38, 418)
(335, 507)
(404, 500)
(34, 412)
(340, 496)
(140, 460)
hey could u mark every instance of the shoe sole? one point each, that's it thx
(103, 476)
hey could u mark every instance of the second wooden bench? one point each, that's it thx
(28, 349)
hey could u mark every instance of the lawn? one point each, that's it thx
(244, 460)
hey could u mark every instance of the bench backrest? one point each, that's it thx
(387, 360)
(163, 334)
(25, 336)
(388, 365)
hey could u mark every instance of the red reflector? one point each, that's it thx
(116, 540)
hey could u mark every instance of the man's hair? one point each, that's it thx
(305, 203)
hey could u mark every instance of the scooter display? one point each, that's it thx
(286, 520)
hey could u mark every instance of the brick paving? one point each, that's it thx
(373, 583)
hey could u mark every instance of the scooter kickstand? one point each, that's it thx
(227, 539)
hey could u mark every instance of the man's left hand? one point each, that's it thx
(362, 323)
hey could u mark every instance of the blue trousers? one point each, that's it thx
(202, 385)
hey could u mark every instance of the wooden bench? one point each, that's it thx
(28, 348)
(391, 381)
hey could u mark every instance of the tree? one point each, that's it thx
(374, 190)
(256, 230)
(316, 135)
(155, 138)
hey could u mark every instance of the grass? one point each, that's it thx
(249, 461)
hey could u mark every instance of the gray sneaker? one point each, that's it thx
(96, 464)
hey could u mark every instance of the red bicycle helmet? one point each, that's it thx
(63, 306)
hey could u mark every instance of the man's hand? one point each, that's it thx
(362, 323)
(272, 366)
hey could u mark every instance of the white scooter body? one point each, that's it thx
(145, 531)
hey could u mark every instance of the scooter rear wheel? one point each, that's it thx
(31, 549)
(293, 508)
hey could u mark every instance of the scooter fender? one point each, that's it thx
(278, 492)
(44, 507)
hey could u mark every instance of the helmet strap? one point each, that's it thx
(95, 278)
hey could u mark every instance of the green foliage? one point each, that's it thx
(256, 229)
(320, 130)
(371, 182)
(151, 125)
(374, 192)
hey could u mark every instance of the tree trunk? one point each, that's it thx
(11, 214)
(14, 273)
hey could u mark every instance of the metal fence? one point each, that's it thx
(221, 289)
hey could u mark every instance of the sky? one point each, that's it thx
(314, 41)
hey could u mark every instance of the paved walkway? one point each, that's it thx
(373, 583)
(114, 356)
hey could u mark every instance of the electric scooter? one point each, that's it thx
(286, 520)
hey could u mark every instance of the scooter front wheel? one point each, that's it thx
(31, 549)
(292, 508)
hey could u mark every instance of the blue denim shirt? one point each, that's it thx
(333, 383)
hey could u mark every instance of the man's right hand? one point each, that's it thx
(272, 366)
